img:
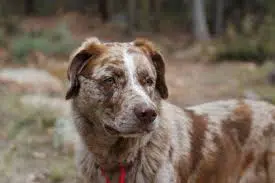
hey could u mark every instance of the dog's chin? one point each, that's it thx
(139, 132)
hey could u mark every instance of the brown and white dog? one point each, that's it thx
(118, 94)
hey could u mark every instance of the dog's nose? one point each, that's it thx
(145, 114)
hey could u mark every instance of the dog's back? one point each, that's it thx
(229, 141)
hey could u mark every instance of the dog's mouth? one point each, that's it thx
(112, 131)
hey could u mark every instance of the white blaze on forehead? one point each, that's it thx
(132, 79)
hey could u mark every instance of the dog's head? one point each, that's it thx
(118, 84)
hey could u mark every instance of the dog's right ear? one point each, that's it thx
(147, 47)
(79, 59)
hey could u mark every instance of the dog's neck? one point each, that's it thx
(109, 151)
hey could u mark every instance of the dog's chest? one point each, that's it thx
(136, 174)
(131, 175)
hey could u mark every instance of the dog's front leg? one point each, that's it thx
(166, 174)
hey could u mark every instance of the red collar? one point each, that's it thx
(122, 175)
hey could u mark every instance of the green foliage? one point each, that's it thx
(41, 119)
(44, 7)
(243, 49)
(57, 41)
(56, 175)
(3, 41)
(250, 45)
(10, 25)
(256, 80)
(18, 118)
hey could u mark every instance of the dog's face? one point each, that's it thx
(118, 84)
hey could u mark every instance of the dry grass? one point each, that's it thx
(26, 150)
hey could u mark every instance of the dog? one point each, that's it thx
(129, 132)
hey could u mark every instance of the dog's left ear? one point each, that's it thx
(79, 59)
(148, 48)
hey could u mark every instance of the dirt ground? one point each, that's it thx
(28, 156)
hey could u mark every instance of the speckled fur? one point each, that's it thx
(230, 141)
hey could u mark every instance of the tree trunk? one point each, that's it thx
(200, 29)
(157, 15)
(145, 15)
(103, 10)
(131, 16)
(29, 7)
(111, 7)
(219, 16)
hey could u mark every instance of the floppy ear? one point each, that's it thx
(81, 57)
(158, 61)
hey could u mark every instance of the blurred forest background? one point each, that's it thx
(214, 49)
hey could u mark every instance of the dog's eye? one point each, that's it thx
(149, 81)
(109, 80)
